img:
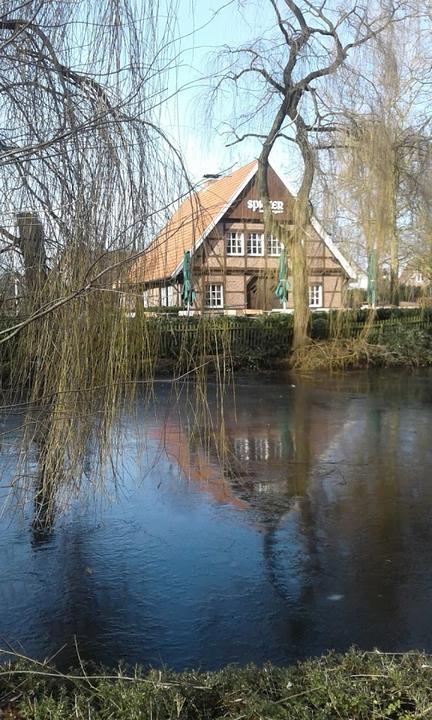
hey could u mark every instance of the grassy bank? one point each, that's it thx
(354, 686)
(398, 347)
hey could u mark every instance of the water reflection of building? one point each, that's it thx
(336, 478)
(233, 468)
(258, 449)
(276, 445)
(242, 462)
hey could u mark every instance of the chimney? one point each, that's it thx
(210, 178)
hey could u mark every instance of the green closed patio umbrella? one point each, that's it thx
(282, 287)
(371, 276)
(188, 293)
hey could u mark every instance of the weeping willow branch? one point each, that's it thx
(311, 42)
(86, 170)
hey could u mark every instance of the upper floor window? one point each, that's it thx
(418, 277)
(315, 296)
(274, 246)
(214, 296)
(234, 243)
(255, 244)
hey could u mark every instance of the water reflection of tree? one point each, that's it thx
(74, 603)
(276, 544)
(262, 468)
(326, 477)
(336, 492)
(369, 525)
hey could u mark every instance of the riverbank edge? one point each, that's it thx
(403, 348)
(399, 346)
(408, 348)
(355, 685)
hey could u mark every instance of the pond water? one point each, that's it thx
(316, 533)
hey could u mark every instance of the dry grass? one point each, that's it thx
(360, 686)
(399, 347)
(337, 354)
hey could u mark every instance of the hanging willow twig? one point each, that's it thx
(84, 167)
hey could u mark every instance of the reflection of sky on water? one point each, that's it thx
(307, 529)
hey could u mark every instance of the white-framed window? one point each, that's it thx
(166, 296)
(255, 244)
(418, 277)
(146, 300)
(234, 243)
(214, 295)
(274, 246)
(315, 295)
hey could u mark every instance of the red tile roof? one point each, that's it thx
(189, 225)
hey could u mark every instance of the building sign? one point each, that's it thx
(277, 206)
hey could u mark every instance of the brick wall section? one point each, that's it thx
(235, 292)
(236, 271)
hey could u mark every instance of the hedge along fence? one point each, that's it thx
(352, 323)
(247, 339)
(174, 337)
(269, 335)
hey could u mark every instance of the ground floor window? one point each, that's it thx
(214, 296)
(166, 296)
(255, 244)
(234, 243)
(274, 246)
(315, 295)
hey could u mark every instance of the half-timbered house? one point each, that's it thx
(234, 263)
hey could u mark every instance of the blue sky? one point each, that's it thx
(204, 27)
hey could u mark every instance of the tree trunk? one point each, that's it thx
(44, 499)
(394, 242)
(300, 293)
(294, 242)
(394, 285)
(302, 216)
(31, 242)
